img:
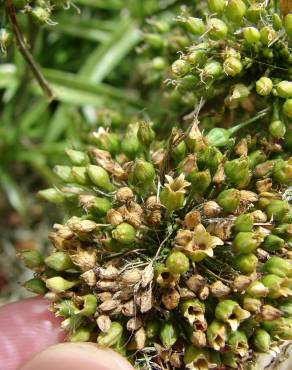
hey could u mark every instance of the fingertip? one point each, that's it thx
(76, 356)
(27, 327)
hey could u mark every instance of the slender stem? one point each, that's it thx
(25, 52)
(260, 115)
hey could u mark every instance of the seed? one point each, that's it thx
(104, 323)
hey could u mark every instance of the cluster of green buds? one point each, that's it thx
(39, 11)
(174, 252)
(237, 56)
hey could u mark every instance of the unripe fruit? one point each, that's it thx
(177, 263)
(251, 34)
(216, 6)
(124, 233)
(235, 10)
(246, 242)
(287, 108)
(180, 68)
(264, 86)
(229, 200)
(278, 266)
(246, 263)
(232, 66)
(284, 89)
(217, 29)
(273, 243)
(277, 129)
(261, 340)
(288, 24)
(195, 25)
(268, 35)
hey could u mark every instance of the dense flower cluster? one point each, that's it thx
(237, 56)
(174, 253)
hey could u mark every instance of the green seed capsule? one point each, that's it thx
(36, 286)
(180, 68)
(232, 66)
(193, 310)
(197, 358)
(244, 223)
(31, 258)
(254, 12)
(287, 108)
(198, 54)
(218, 137)
(108, 141)
(145, 134)
(124, 233)
(58, 284)
(277, 22)
(235, 10)
(179, 152)
(257, 290)
(268, 35)
(277, 129)
(288, 24)
(256, 158)
(286, 308)
(194, 25)
(238, 343)
(282, 171)
(112, 337)
(78, 158)
(273, 243)
(212, 69)
(237, 172)
(89, 305)
(277, 286)
(264, 86)
(246, 263)
(281, 328)
(177, 263)
(65, 308)
(130, 145)
(96, 205)
(79, 175)
(278, 266)
(251, 35)
(152, 329)
(154, 40)
(217, 335)
(252, 304)
(230, 312)
(229, 200)
(142, 174)
(59, 261)
(277, 209)
(216, 6)
(168, 334)
(100, 177)
(80, 335)
(64, 173)
(246, 242)
(200, 180)
(284, 89)
(40, 14)
(51, 195)
(229, 359)
(217, 29)
(261, 340)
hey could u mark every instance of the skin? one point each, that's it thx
(30, 340)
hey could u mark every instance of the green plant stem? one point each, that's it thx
(25, 52)
(238, 127)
